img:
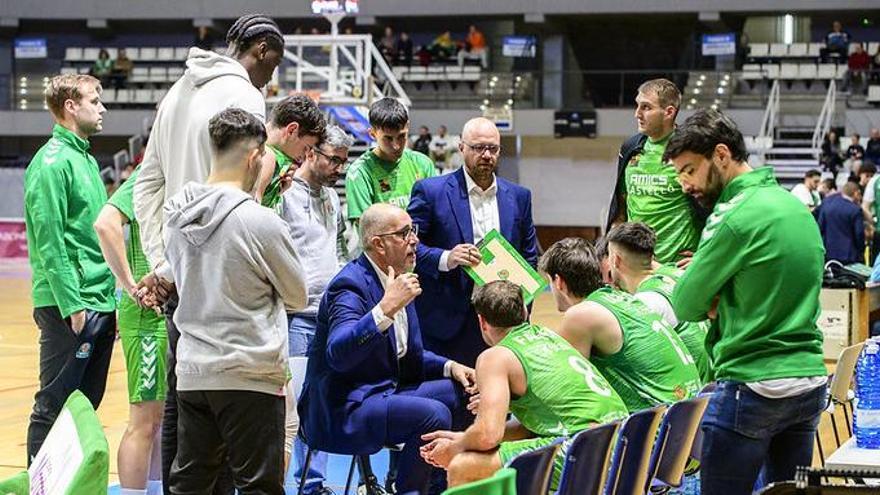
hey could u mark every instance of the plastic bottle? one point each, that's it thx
(866, 424)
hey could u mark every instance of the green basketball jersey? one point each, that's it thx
(693, 334)
(654, 197)
(373, 180)
(134, 320)
(564, 392)
(653, 366)
(272, 194)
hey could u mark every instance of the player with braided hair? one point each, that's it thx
(179, 151)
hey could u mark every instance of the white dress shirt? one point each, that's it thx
(400, 321)
(484, 212)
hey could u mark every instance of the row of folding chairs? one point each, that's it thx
(799, 50)
(792, 71)
(132, 96)
(144, 53)
(453, 73)
(650, 448)
(155, 74)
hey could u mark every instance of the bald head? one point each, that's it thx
(378, 219)
(480, 127)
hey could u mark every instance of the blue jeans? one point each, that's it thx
(300, 332)
(745, 434)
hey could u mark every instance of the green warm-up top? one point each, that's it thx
(762, 255)
(63, 194)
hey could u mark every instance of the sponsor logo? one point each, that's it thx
(84, 351)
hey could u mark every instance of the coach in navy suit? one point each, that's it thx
(369, 382)
(453, 213)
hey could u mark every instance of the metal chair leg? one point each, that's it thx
(834, 426)
(350, 475)
(305, 472)
(848, 422)
(819, 445)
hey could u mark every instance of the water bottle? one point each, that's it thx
(867, 408)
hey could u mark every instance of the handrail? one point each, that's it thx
(771, 113)
(826, 116)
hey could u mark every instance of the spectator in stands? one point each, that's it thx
(474, 48)
(837, 42)
(832, 158)
(121, 69)
(204, 38)
(443, 46)
(807, 191)
(827, 187)
(872, 150)
(855, 150)
(442, 148)
(422, 142)
(405, 49)
(388, 45)
(103, 67)
(843, 227)
(859, 64)
(875, 65)
(866, 173)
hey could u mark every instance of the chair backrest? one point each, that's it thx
(502, 483)
(533, 470)
(843, 373)
(586, 462)
(632, 454)
(676, 440)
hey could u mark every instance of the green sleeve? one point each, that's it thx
(427, 165)
(47, 200)
(358, 192)
(123, 198)
(717, 259)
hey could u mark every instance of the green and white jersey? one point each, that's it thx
(564, 392)
(372, 180)
(654, 197)
(693, 334)
(134, 320)
(272, 194)
(653, 366)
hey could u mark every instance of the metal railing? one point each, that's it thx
(826, 116)
(771, 112)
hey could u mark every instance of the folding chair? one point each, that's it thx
(632, 454)
(675, 443)
(839, 392)
(586, 462)
(533, 470)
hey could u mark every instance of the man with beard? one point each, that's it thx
(646, 189)
(454, 213)
(758, 270)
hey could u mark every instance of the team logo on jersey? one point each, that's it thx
(679, 392)
(384, 186)
(84, 351)
(503, 274)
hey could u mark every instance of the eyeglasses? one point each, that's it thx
(334, 160)
(493, 149)
(403, 233)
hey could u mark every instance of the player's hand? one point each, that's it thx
(442, 446)
(400, 292)
(474, 404)
(78, 321)
(713, 311)
(686, 260)
(153, 290)
(286, 179)
(464, 375)
(464, 254)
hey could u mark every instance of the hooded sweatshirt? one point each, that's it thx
(179, 149)
(236, 269)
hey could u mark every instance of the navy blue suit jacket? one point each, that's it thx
(350, 360)
(441, 209)
(843, 229)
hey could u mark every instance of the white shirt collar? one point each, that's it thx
(472, 186)
(383, 277)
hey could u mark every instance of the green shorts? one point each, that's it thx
(145, 344)
(508, 450)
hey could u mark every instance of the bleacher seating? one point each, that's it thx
(874, 94)
(451, 73)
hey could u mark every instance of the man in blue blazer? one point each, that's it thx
(369, 382)
(453, 213)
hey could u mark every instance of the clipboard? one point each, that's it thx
(500, 261)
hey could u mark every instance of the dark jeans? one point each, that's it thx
(875, 248)
(68, 362)
(745, 434)
(169, 420)
(248, 427)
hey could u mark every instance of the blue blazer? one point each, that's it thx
(441, 209)
(350, 360)
(843, 229)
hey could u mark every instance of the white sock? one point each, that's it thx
(132, 491)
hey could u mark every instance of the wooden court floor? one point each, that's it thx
(19, 372)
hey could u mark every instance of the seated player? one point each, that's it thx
(640, 354)
(535, 374)
(632, 267)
